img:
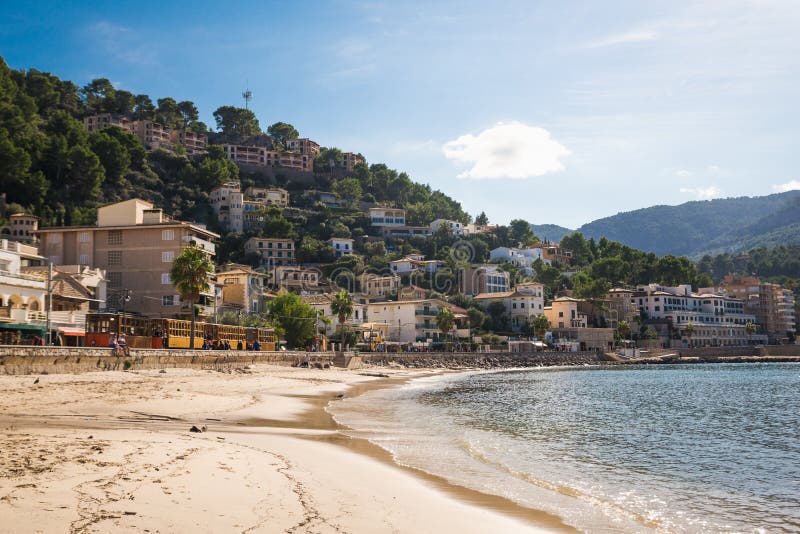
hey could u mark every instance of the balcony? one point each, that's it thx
(427, 313)
(22, 280)
(207, 246)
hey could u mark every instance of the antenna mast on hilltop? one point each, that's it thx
(248, 96)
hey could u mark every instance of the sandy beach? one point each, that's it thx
(113, 452)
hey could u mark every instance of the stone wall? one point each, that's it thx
(779, 350)
(454, 360)
(717, 352)
(16, 360)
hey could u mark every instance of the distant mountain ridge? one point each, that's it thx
(550, 232)
(704, 227)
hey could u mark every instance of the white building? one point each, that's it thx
(717, 320)
(22, 296)
(413, 263)
(341, 246)
(227, 200)
(521, 257)
(457, 228)
(410, 321)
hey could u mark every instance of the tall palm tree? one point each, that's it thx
(749, 329)
(623, 330)
(445, 320)
(189, 273)
(342, 308)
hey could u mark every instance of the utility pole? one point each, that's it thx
(49, 299)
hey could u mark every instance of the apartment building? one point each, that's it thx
(21, 227)
(259, 156)
(621, 307)
(351, 160)
(717, 319)
(135, 244)
(414, 321)
(272, 251)
(387, 217)
(342, 246)
(525, 302)
(242, 288)
(415, 263)
(772, 305)
(100, 121)
(485, 278)
(227, 201)
(376, 285)
(268, 196)
(305, 146)
(296, 278)
(193, 142)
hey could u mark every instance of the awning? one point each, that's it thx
(67, 331)
(23, 327)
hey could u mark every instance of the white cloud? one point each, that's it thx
(702, 193)
(636, 36)
(683, 173)
(507, 150)
(788, 186)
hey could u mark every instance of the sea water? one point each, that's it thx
(686, 448)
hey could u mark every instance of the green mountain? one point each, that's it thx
(550, 232)
(702, 227)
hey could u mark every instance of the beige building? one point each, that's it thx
(273, 251)
(153, 135)
(296, 278)
(21, 227)
(376, 285)
(351, 160)
(242, 288)
(522, 304)
(304, 146)
(259, 156)
(268, 196)
(563, 313)
(772, 305)
(323, 303)
(135, 244)
(193, 142)
(410, 321)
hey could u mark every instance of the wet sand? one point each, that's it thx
(112, 452)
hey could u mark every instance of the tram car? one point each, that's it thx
(158, 333)
(100, 327)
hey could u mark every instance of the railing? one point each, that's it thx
(208, 246)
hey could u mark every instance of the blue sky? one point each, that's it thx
(556, 112)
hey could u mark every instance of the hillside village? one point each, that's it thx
(280, 214)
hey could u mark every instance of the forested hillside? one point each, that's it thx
(697, 228)
(51, 166)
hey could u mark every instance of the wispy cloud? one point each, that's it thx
(123, 43)
(507, 150)
(788, 186)
(634, 36)
(702, 193)
(683, 173)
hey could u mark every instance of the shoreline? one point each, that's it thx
(112, 451)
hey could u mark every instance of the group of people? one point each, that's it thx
(216, 344)
(119, 346)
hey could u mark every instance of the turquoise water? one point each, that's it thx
(697, 448)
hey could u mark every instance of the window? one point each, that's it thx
(167, 256)
(167, 235)
(114, 279)
(165, 279)
(83, 237)
(167, 300)
(115, 237)
(84, 259)
(561, 314)
(115, 257)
